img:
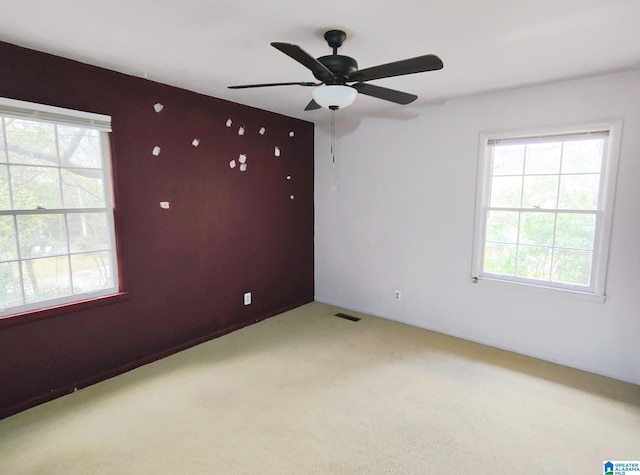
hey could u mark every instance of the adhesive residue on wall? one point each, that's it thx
(232, 164)
(229, 122)
(195, 142)
(291, 134)
(242, 158)
(276, 151)
(262, 130)
(241, 131)
(164, 205)
(156, 151)
(158, 107)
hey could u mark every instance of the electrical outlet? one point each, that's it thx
(397, 295)
(247, 298)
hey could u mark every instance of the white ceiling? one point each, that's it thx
(206, 45)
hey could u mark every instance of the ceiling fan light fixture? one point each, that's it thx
(334, 96)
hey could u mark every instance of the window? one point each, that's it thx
(544, 207)
(57, 242)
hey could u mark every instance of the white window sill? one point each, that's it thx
(589, 297)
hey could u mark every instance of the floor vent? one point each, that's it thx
(347, 317)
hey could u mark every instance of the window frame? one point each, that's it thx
(68, 117)
(603, 212)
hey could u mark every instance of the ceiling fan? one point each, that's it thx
(336, 71)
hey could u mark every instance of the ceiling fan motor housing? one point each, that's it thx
(340, 66)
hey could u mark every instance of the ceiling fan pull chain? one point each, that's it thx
(333, 134)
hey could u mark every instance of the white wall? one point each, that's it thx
(396, 211)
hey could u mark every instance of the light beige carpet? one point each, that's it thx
(306, 392)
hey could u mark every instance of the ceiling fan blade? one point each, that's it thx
(392, 95)
(246, 86)
(313, 105)
(420, 64)
(319, 70)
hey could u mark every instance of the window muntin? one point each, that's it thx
(544, 207)
(57, 241)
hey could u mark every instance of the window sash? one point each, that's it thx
(74, 296)
(549, 282)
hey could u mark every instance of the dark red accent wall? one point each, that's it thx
(184, 270)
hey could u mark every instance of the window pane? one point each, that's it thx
(499, 258)
(579, 192)
(42, 235)
(91, 272)
(88, 232)
(583, 156)
(543, 158)
(537, 228)
(540, 192)
(46, 278)
(572, 267)
(5, 200)
(575, 231)
(82, 188)
(502, 226)
(508, 159)
(35, 187)
(10, 286)
(79, 147)
(534, 262)
(506, 192)
(30, 142)
(8, 243)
